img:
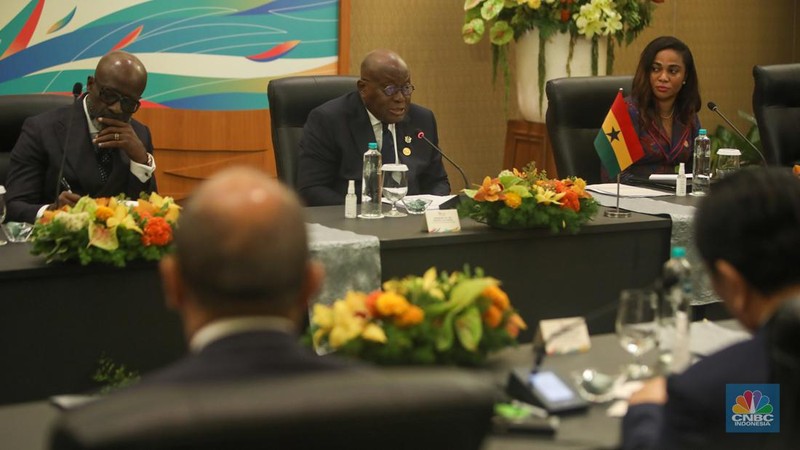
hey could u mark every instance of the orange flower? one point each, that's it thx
(514, 325)
(520, 174)
(144, 208)
(513, 200)
(490, 191)
(47, 217)
(796, 169)
(570, 200)
(157, 232)
(101, 201)
(371, 302)
(498, 297)
(493, 316)
(411, 316)
(391, 304)
(103, 213)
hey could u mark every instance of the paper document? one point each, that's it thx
(626, 191)
(706, 337)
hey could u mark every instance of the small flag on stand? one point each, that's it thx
(617, 143)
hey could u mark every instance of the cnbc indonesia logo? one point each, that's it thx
(752, 410)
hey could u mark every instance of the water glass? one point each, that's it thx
(727, 162)
(395, 186)
(637, 327)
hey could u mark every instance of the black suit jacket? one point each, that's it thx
(695, 413)
(337, 134)
(245, 355)
(35, 160)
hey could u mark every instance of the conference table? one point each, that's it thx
(26, 426)
(58, 320)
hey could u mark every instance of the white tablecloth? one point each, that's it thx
(352, 261)
(682, 235)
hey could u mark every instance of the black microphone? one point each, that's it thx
(421, 135)
(713, 107)
(77, 89)
(61, 182)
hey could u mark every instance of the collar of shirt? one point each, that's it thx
(94, 127)
(377, 129)
(222, 328)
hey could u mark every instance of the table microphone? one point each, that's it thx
(61, 182)
(713, 107)
(421, 135)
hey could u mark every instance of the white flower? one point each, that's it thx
(73, 222)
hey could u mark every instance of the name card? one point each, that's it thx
(442, 221)
(566, 335)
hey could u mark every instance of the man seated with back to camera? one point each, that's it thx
(337, 134)
(241, 278)
(748, 234)
(107, 152)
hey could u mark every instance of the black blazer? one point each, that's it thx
(35, 160)
(335, 138)
(245, 355)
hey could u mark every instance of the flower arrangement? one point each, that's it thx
(620, 20)
(107, 230)
(438, 318)
(529, 199)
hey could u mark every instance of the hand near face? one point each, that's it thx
(120, 135)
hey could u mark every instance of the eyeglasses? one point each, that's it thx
(391, 89)
(110, 96)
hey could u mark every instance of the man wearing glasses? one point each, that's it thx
(337, 134)
(104, 151)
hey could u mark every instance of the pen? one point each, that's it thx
(65, 185)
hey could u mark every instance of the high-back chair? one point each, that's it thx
(14, 109)
(290, 101)
(576, 110)
(776, 104)
(385, 409)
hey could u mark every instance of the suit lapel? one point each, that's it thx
(81, 163)
(360, 126)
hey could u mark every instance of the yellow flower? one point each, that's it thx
(322, 316)
(547, 197)
(391, 304)
(534, 4)
(121, 217)
(374, 333)
(513, 200)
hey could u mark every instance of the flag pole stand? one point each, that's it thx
(617, 214)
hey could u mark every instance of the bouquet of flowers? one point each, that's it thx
(528, 199)
(438, 318)
(107, 230)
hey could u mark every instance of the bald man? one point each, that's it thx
(241, 279)
(107, 153)
(337, 134)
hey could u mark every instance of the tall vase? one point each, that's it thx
(557, 65)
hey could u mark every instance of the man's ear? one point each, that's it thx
(361, 84)
(733, 288)
(174, 288)
(315, 274)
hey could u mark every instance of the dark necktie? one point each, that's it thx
(104, 163)
(387, 148)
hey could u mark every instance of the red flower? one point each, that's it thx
(565, 15)
(157, 232)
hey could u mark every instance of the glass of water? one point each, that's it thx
(395, 186)
(637, 328)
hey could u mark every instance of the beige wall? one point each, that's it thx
(727, 38)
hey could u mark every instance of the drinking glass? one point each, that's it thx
(395, 186)
(637, 326)
(2, 213)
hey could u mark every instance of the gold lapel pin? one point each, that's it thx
(407, 151)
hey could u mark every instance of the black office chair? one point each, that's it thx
(776, 103)
(385, 409)
(14, 109)
(576, 110)
(290, 101)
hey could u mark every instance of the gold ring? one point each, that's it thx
(116, 136)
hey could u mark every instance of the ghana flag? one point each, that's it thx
(617, 143)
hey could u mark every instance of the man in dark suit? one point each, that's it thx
(748, 234)
(337, 134)
(107, 153)
(241, 278)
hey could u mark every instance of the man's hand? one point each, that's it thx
(653, 391)
(65, 198)
(118, 134)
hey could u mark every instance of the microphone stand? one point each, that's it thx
(713, 107)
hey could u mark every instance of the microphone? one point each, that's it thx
(77, 89)
(421, 135)
(713, 107)
(61, 182)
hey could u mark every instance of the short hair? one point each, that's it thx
(227, 260)
(751, 219)
(688, 102)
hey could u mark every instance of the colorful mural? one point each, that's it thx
(200, 54)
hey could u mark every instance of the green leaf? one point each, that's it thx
(468, 328)
(444, 335)
(465, 293)
(520, 190)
